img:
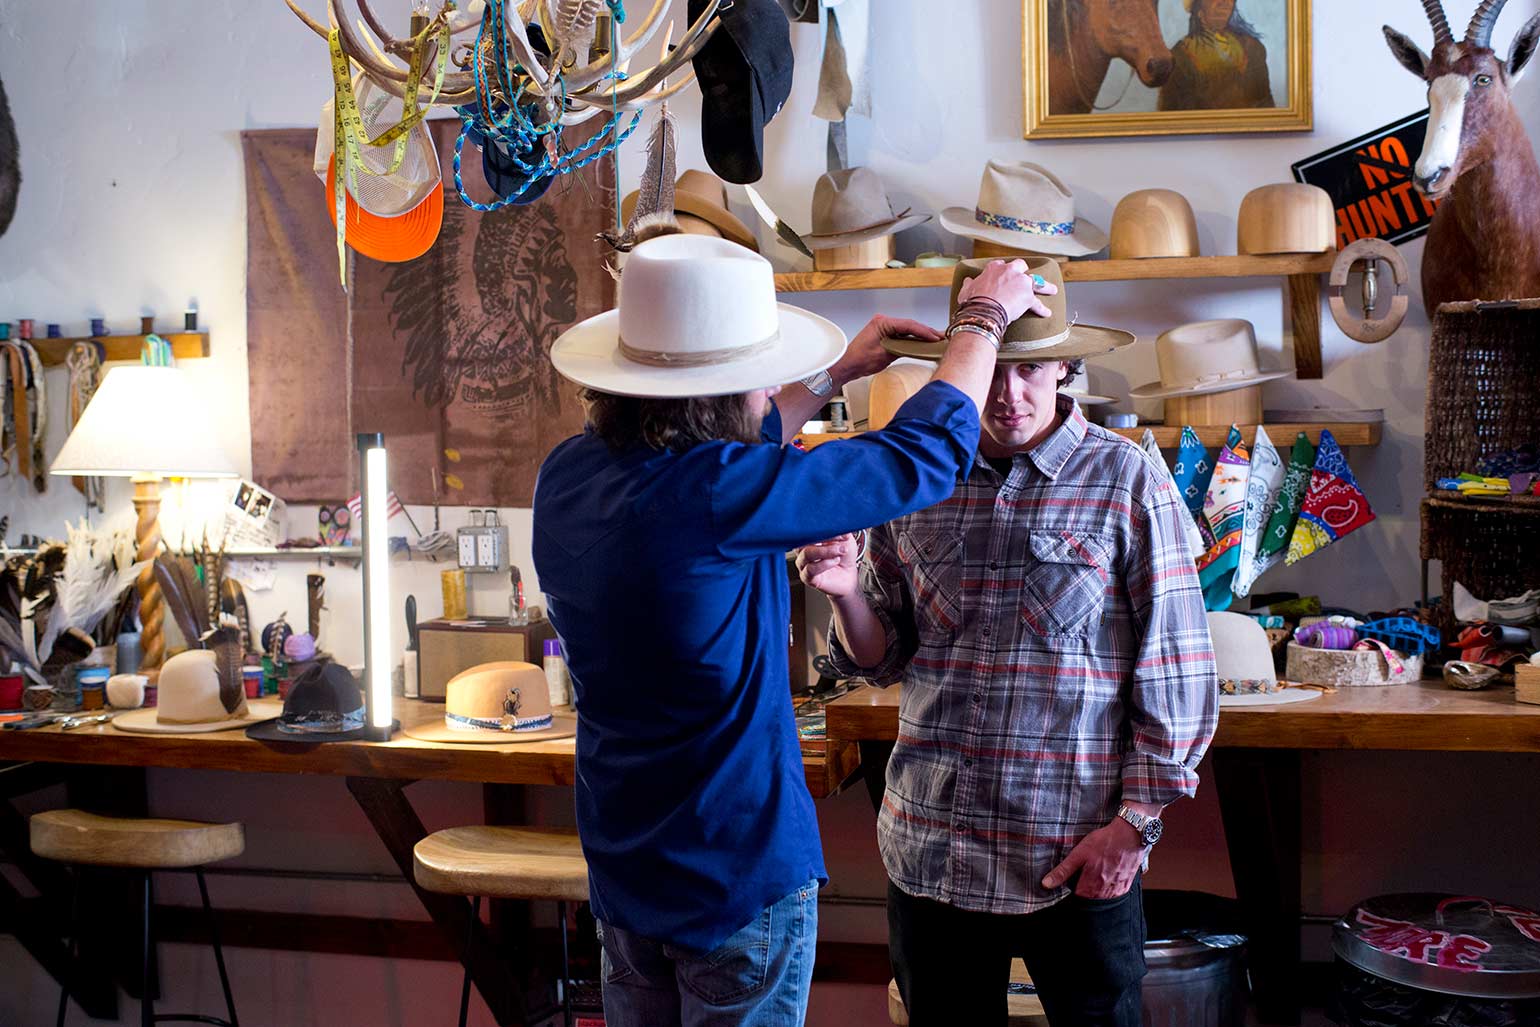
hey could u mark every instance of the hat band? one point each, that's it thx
(1216, 376)
(1030, 227)
(321, 722)
(883, 223)
(1035, 344)
(504, 723)
(698, 358)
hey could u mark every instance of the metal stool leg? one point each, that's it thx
(566, 968)
(73, 949)
(470, 939)
(219, 952)
(146, 1004)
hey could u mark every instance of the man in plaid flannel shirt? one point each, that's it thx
(1059, 691)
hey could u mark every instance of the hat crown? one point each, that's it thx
(1241, 649)
(1207, 351)
(706, 186)
(1029, 330)
(848, 200)
(1025, 192)
(690, 300)
(506, 692)
(324, 687)
(1153, 223)
(1286, 217)
(188, 690)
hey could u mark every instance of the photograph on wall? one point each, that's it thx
(1157, 67)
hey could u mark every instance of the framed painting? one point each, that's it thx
(1165, 67)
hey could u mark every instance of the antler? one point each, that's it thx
(581, 78)
(634, 90)
(1441, 33)
(1480, 31)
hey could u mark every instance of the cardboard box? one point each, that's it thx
(1526, 683)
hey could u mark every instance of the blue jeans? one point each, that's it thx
(759, 977)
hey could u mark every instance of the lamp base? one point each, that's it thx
(381, 734)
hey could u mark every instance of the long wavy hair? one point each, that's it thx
(1238, 23)
(667, 424)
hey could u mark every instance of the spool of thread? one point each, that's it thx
(98, 326)
(299, 648)
(24, 328)
(1326, 636)
(147, 324)
(38, 697)
(52, 331)
(126, 691)
(92, 697)
(130, 653)
(11, 688)
(5, 331)
(251, 677)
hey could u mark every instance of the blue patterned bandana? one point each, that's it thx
(1010, 224)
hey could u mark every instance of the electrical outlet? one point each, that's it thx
(483, 544)
(467, 550)
(488, 553)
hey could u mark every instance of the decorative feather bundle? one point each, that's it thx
(653, 214)
(98, 569)
(572, 24)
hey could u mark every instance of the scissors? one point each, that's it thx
(336, 524)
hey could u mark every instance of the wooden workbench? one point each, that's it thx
(1256, 760)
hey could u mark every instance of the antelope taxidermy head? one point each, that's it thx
(1471, 115)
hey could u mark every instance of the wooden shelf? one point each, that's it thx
(1347, 433)
(1443, 500)
(184, 346)
(314, 552)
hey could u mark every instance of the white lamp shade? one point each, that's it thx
(145, 421)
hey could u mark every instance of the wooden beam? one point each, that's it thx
(1305, 315)
(184, 346)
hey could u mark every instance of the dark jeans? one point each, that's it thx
(1086, 957)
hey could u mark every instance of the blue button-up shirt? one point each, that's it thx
(665, 575)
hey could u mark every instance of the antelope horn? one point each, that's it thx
(1441, 33)
(581, 78)
(636, 90)
(1481, 23)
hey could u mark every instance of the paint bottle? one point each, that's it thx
(558, 681)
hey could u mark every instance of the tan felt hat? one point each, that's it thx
(1031, 338)
(497, 704)
(851, 206)
(1206, 357)
(1025, 207)
(1153, 223)
(1289, 217)
(189, 701)
(702, 195)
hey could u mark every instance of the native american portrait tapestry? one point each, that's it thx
(446, 354)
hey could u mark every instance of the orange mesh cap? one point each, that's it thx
(392, 240)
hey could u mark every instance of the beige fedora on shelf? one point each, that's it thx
(497, 704)
(700, 206)
(1206, 357)
(1153, 223)
(1289, 217)
(1024, 206)
(850, 207)
(190, 701)
(1029, 338)
(697, 317)
(1080, 391)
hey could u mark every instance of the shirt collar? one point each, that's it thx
(1050, 455)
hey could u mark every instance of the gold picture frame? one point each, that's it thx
(1046, 22)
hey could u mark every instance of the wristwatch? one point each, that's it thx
(820, 384)
(1149, 827)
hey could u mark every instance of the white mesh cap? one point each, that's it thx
(380, 194)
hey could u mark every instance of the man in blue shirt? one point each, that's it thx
(660, 536)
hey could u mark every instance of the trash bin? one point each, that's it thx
(1196, 960)
(1450, 960)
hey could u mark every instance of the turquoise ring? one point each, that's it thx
(1038, 281)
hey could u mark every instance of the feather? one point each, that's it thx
(655, 195)
(572, 25)
(225, 642)
(234, 604)
(787, 234)
(654, 226)
(98, 567)
(71, 646)
(185, 604)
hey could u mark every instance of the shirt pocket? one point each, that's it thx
(1065, 584)
(934, 559)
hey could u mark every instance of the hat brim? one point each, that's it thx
(1083, 341)
(269, 731)
(589, 353)
(563, 725)
(390, 240)
(143, 722)
(1156, 390)
(1086, 399)
(1085, 240)
(717, 217)
(830, 242)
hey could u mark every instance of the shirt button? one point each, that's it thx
(978, 696)
(985, 631)
(959, 828)
(967, 763)
(994, 565)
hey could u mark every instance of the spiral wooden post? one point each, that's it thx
(152, 605)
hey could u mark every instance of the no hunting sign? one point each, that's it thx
(1369, 180)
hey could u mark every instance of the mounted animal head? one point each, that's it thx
(1130, 30)
(1470, 102)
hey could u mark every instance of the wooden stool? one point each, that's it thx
(77, 838)
(506, 863)
(1023, 1010)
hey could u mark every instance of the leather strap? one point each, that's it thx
(22, 410)
(37, 404)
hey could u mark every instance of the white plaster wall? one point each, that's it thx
(129, 116)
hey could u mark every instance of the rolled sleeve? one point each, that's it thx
(1173, 696)
(887, 592)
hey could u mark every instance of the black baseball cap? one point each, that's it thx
(744, 72)
(324, 705)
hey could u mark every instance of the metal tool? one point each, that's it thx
(71, 723)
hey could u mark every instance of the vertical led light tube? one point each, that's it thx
(371, 453)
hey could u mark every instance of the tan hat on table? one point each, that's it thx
(1023, 206)
(497, 704)
(1029, 338)
(1289, 217)
(1206, 357)
(1153, 223)
(700, 205)
(851, 206)
(190, 701)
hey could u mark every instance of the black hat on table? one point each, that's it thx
(744, 72)
(324, 705)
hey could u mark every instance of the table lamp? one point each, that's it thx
(146, 423)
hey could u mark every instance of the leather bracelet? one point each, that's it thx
(992, 306)
(978, 322)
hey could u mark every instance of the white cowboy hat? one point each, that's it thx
(189, 701)
(697, 317)
(1078, 390)
(1024, 207)
(1205, 357)
(850, 206)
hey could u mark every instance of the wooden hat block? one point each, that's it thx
(891, 387)
(1289, 217)
(865, 256)
(1238, 406)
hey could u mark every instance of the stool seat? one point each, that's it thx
(1020, 1010)
(75, 836)
(503, 863)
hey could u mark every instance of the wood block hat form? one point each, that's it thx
(1153, 223)
(197, 694)
(495, 704)
(1029, 338)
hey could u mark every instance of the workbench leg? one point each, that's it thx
(1305, 317)
(1259, 800)
(112, 937)
(399, 828)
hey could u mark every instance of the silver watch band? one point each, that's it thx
(820, 384)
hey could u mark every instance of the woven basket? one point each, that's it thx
(1492, 550)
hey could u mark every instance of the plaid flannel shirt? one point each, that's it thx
(1050, 635)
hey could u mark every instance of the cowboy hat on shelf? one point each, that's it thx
(1023, 206)
(700, 207)
(1206, 357)
(850, 207)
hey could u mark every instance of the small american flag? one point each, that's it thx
(392, 506)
